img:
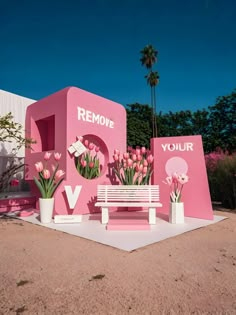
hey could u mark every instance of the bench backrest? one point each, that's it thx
(128, 193)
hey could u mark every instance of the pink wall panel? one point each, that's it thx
(183, 154)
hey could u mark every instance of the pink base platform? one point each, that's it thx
(128, 221)
(10, 202)
(130, 224)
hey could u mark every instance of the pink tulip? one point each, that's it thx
(83, 163)
(175, 178)
(168, 180)
(175, 175)
(182, 179)
(144, 170)
(134, 157)
(129, 162)
(91, 146)
(59, 174)
(39, 167)
(46, 174)
(145, 163)
(140, 167)
(57, 156)
(115, 157)
(126, 155)
(134, 165)
(143, 150)
(86, 143)
(138, 151)
(139, 157)
(150, 159)
(80, 138)
(137, 168)
(47, 156)
(116, 152)
(91, 164)
(97, 149)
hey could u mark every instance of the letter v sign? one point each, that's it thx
(72, 197)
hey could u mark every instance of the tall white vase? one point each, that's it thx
(176, 212)
(46, 206)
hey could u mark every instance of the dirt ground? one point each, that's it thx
(43, 271)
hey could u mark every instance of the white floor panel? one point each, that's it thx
(92, 229)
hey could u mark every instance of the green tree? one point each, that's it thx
(216, 125)
(11, 131)
(222, 123)
(139, 128)
(148, 59)
(200, 126)
(175, 124)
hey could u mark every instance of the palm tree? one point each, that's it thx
(148, 59)
(149, 56)
(152, 80)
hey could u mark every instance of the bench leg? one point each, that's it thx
(152, 215)
(105, 215)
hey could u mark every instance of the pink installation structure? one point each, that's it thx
(57, 121)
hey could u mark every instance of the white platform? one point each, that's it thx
(92, 229)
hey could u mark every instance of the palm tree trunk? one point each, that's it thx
(155, 112)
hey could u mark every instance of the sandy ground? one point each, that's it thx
(49, 272)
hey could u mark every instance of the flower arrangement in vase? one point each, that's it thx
(47, 184)
(133, 167)
(176, 183)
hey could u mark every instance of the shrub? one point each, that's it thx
(221, 170)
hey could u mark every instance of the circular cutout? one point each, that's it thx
(92, 162)
(176, 164)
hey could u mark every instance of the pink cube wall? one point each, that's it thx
(55, 122)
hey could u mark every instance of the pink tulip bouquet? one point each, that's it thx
(47, 183)
(88, 164)
(134, 167)
(176, 183)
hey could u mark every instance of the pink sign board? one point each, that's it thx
(56, 122)
(183, 155)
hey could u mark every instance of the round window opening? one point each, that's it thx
(92, 162)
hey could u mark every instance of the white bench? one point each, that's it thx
(128, 196)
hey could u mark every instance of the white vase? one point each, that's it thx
(176, 212)
(46, 206)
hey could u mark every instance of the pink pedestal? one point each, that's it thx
(131, 225)
(128, 221)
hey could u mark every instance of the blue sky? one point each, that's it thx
(95, 45)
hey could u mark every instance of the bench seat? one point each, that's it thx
(130, 204)
(128, 196)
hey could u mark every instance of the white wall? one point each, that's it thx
(17, 105)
